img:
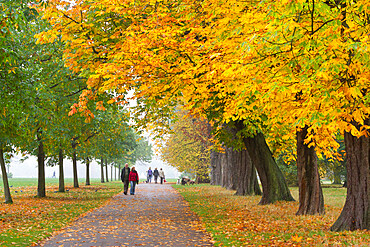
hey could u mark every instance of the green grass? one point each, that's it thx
(333, 195)
(240, 221)
(32, 182)
(30, 219)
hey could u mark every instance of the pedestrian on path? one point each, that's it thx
(125, 178)
(149, 175)
(155, 174)
(134, 180)
(161, 175)
(123, 222)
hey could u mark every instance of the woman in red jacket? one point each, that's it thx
(134, 180)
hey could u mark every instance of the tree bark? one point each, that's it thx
(216, 170)
(102, 170)
(311, 199)
(224, 169)
(233, 165)
(87, 171)
(356, 211)
(111, 172)
(246, 172)
(336, 173)
(8, 197)
(106, 170)
(61, 171)
(119, 171)
(75, 175)
(273, 182)
(228, 170)
(41, 190)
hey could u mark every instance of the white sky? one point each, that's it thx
(28, 169)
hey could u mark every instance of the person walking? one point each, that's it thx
(134, 180)
(125, 178)
(150, 175)
(161, 175)
(155, 174)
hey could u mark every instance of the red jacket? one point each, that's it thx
(133, 176)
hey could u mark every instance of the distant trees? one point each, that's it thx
(188, 145)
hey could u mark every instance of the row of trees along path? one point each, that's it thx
(37, 91)
(290, 73)
(155, 216)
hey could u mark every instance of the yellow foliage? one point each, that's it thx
(270, 63)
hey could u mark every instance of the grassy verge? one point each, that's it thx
(18, 183)
(30, 219)
(239, 221)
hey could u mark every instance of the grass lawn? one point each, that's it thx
(239, 221)
(50, 182)
(30, 219)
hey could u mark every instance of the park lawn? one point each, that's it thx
(18, 183)
(239, 221)
(30, 219)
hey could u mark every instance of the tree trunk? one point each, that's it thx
(8, 197)
(87, 171)
(356, 211)
(273, 182)
(257, 189)
(115, 173)
(106, 170)
(102, 170)
(336, 173)
(41, 190)
(61, 171)
(228, 169)
(216, 170)
(233, 175)
(119, 171)
(224, 170)
(311, 199)
(247, 182)
(111, 172)
(75, 175)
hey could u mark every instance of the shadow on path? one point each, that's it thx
(155, 216)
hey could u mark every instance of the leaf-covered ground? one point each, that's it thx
(155, 216)
(30, 219)
(239, 221)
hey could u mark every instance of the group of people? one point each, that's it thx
(131, 177)
(155, 174)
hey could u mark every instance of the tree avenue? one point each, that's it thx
(258, 66)
(37, 91)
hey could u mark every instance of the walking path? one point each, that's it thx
(155, 216)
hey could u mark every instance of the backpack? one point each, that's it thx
(150, 173)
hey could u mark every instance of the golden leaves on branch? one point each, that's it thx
(265, 63)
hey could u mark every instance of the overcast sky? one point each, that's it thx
(28, 168)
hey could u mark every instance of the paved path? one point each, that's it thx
(155, 216)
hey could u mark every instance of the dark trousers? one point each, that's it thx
(155, 179)
(162, 178)
(125, 186)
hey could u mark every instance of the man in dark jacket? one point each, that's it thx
(156, 174)
(124, 177)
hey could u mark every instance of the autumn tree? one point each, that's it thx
(306, 54)
(299, 65)
(169, 62)
(187, 146)
(9, 121)
(14, 19)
